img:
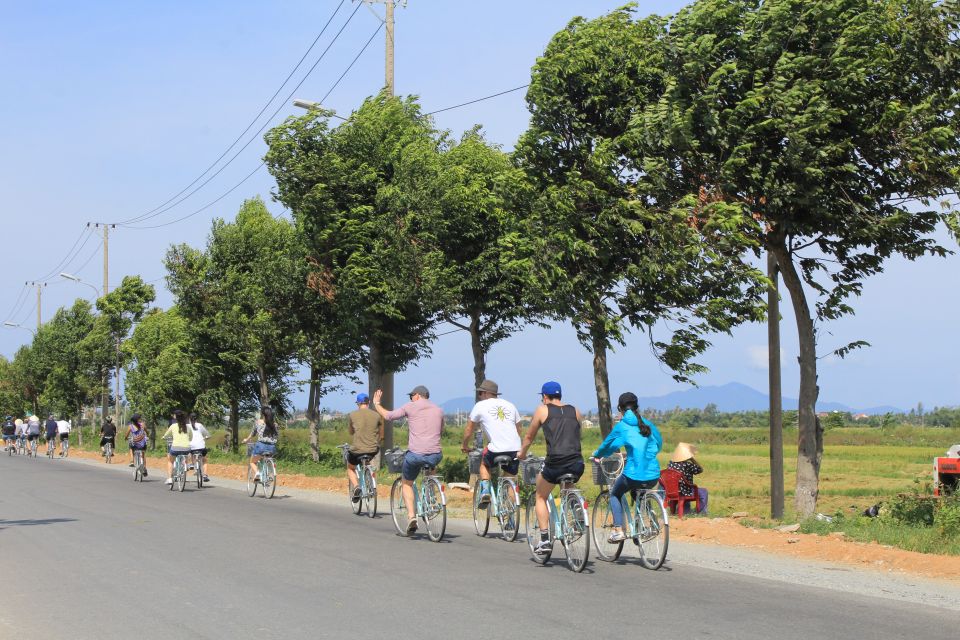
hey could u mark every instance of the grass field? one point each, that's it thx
(861, 467)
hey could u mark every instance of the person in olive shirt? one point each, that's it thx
(366, 427)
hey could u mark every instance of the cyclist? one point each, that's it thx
(21, 433)
(641, 470)
(424, 425)
(500, 420)
(108, 434)
(265, 431)
(199, 442)
(33, 429)
(561, 429)
(51, 430)
(137, 438)
(180, 434)
(366, 427)
(9, 431)
(63, 430)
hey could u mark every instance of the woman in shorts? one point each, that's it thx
(180, 434)
(265, 430)
(137, 438)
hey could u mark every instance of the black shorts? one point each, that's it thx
(201, 452)
(552, 473)
(64, 436)
(510, 468)
(32, 436)
(354, 458)
(111, 439)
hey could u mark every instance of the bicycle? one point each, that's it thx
(179, 471)
(33, 447)
(646, 524)
(266, 475)
(9, 446)
(430, 503)
(51, 447)
(198, 467)
(108, 453)
(504, 503)
(139, 468)
(21, 445)
(64, 448)
(367, 484)
(568, 524)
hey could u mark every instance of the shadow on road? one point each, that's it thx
(32, 523)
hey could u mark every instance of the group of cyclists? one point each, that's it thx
(20, 434)
(498, 419)
(500, 422)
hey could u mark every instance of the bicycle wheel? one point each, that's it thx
(507, 509)
(398, 508)
(269, 477)
(601, 525)
(533, 530)
(108, 451)
(434, 509)
(198, 467)
(576, 534)
(481, 515)
(251, 482)
(654, 531)
(181, 472)
(137, 466)
(369, 492)
(352, 489)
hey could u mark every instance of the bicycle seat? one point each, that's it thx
(502, 461)
(266, 454)
(428, 470)
(567, 478)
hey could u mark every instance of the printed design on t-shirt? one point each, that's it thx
(499, 413)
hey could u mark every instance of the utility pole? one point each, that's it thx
(388, 76)
(39, 286)
(106, 290)
(776, 397)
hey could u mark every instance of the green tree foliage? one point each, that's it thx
(613, 252)
(831, 125)
(11, 398)
(69, 382)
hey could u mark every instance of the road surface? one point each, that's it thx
(91, 554)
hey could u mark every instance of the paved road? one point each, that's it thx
(90, 554)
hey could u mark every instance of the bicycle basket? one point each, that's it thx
(394, 459)
(529, 468)
(473, 461)
(607, 470)
(343, 453)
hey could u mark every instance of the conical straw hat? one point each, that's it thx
(683, 452)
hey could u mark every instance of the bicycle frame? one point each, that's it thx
(630, 524)
(420, 494)
(556, 512)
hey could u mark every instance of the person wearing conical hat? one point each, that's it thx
(682, 461)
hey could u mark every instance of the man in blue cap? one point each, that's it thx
(366, 427)
(561, 428)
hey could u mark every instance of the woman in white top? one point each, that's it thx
(198, 444)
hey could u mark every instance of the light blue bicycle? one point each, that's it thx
(367, 487)
(430, 503)
(569, 524)
(503, 503)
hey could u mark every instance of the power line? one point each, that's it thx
(65, 263)
(255, 135)
(69, 255)
(252, 122)
(464, 104)
(19, 301)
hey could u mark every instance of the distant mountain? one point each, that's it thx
(728, 398)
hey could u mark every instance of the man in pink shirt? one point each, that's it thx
(424, 423)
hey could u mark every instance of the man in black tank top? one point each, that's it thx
(561, 428)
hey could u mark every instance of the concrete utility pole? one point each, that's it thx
(776, 397)
(388, 76)
(39, 286)
(106, 290)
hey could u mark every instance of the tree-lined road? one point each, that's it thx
(90, 554)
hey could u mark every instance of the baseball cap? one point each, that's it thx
(420, 389)
(550, 388)
(362, 397)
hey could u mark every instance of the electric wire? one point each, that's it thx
(252, 122)
(69, 255)
(464, 104)
(19, 301)
(65, 264)
(255, 135)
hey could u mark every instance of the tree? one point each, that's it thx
(11, 400)
(368, 244)
(478, 201)
(833, 125)
(69, 382)
(615, 255)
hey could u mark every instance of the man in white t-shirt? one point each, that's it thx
(63, 430)
(500, 421)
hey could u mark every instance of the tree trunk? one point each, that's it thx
(479, 355)
(810, 432)
(602, 382)
(312, 401)
(264, 388)
(776, 395)
(233, 425)
(377, 379)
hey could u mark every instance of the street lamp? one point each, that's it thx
(20, 326)
(69, 276)
(310, 105)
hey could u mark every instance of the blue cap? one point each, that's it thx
(362, 397)
(550, 388)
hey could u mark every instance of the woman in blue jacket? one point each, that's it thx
(641, 470)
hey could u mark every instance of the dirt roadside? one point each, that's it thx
(706, 531)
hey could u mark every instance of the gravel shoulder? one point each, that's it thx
(719, 544)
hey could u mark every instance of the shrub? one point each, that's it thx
(454, 470)
(946, 519)
(909, 509)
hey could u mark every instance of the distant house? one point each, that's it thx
(587, 424)
(861, 416)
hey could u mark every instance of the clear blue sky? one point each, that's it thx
(111, 108)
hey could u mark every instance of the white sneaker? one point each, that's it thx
(168, 481)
